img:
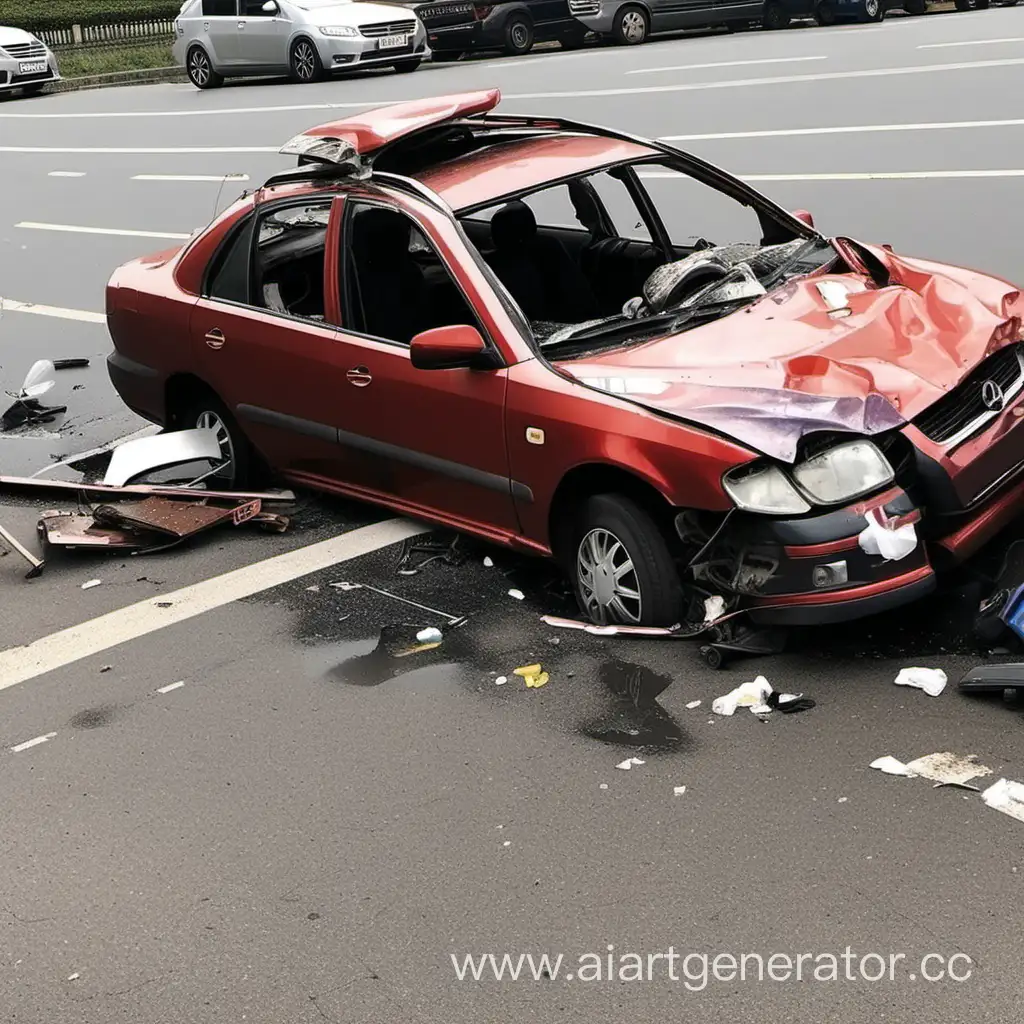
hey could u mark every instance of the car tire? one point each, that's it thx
(915, 7)
(872, 11)
(825, 14)
(199, 69)
(206, 410)
(304, 62)
(775, 16)
(518, 35)
(617, 528)
(404, 67)
(632, 26)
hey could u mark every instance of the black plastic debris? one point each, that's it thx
(993, 678)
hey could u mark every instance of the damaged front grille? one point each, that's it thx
(979, 398)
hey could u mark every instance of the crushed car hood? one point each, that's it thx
(830, 352)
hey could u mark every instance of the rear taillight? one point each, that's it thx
(480, 11)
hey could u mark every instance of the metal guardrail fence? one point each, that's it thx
(155, 31)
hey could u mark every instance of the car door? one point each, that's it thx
(424, 439)
(220, 31)
(264, 340)
(671, 14)
(263, 34)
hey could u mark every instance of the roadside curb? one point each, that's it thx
(147, 75)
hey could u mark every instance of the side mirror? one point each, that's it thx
(805, 217)
(447, 348)
(270, 7)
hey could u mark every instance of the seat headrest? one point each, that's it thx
(513, 225)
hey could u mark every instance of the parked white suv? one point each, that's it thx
(308, 39)
(26, 63)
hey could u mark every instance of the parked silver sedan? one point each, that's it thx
(26, 63)
(307, 39)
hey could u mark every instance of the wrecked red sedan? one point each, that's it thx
(582, 344)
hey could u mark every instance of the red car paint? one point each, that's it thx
(907, 341)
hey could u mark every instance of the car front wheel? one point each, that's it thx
(305, 62)
(632, 26)
(622, 569)
(873, 10)
(200, 70)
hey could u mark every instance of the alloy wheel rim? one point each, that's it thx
(520, 37)
(872, 7)
(200, 67)
(211, 421)
(304, 61)
(633, 26)
(608, 581)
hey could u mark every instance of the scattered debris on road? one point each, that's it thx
(890, 766)
(91, 583)
(533, 675)
(678, 790)
(434, 548)
(629, 763)
(430, 635)
(134, 459)
(993, 678)
(488, 562)
(501, 681)
(27, 410)
(931, 680)
(36, 565)
(453, 620)
(517, 594)
(947, 768)
(1006, 796)
(752, 695)
(693, 704)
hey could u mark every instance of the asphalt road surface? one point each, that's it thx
(312, 824)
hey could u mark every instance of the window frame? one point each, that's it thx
(345, 264)
(254, 218)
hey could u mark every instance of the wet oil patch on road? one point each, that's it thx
(94, 718)
(634, 717)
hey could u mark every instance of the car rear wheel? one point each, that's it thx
(518, 35)
(622, 569)
(200, 70)
(305, 62)
(632, 26)
(775, 16)
(872, 10)
(205, 411)
(403, 67)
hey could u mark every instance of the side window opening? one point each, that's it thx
(395, 284)
(220, 8)
(288, 266)
(228, 277)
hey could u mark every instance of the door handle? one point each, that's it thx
(359, 376)
(215, 338)
(241, 24)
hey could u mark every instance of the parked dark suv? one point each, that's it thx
(455, 27)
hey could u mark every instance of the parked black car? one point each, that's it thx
(455, 27)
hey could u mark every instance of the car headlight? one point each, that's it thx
(340, 30)
(843, 473)
(762, 487)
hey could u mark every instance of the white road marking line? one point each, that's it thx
(577, 94)
(66, 174)
(19, 664)
(10, 306)
(743, 83)
(32, 743)
(723, 64)
(171, 686)
(190, 177)
(924, 126)
(140, 150)
(78, 229)
(970, 42)
(856, 175)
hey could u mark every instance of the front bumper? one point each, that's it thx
(12, 76)
(359, 51)
(597, 15)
